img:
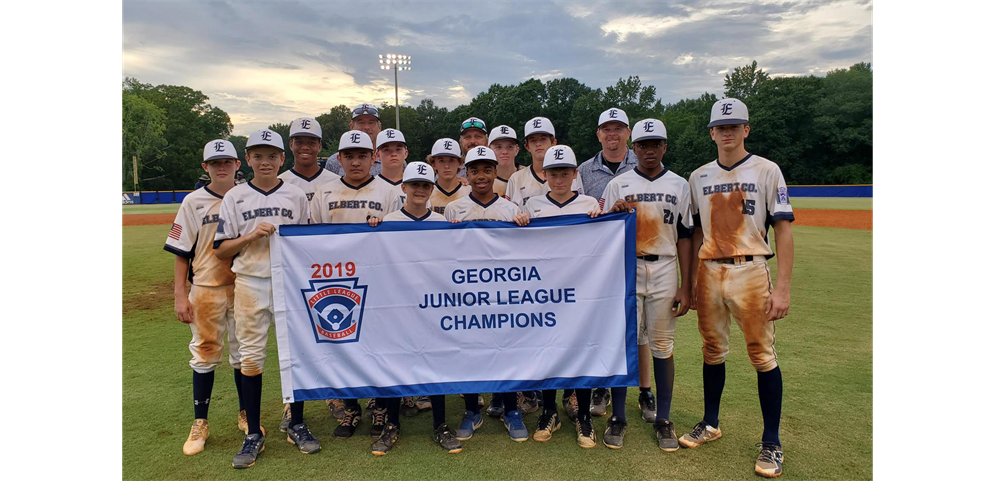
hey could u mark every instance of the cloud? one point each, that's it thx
(683, 59)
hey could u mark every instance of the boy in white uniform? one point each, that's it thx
(358, 197)
(504, 142)
(250, 213)
(393, 152)
(208, 308)
(447, 161)
(539, 136)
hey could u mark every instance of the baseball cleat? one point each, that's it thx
(243, 422)
(647, 404)
(199, 433)
(336, 407)
(300, 436)
(570, 406)
(770, 460)
(665, 436)
(585, 433)
(496, 408)
(516, 428)
(409, 407)
(471, 422)
(285, 420)
(424, 403)
(386, 440)
(379, 420)
(701, 434)
(251, 447)
(350, 419)
(445, 438)
(601, 398)
(548, 424)
(528, 402)
(615, 433)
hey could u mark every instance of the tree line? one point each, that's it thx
(818, 129)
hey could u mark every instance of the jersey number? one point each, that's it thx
(749, 206)
(329, 270)
(668, 216)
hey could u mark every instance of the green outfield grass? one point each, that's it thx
(151, 209)
(823, 346)
(840, 203)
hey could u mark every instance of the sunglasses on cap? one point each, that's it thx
(473, 124)
(366, 109)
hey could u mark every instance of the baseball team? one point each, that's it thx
(701, 243)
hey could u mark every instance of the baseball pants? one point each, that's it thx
(656, 287)
(739, 290)
(213, 318)
(253, 316)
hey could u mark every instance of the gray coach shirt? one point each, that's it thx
(595, 175)
(334, 165)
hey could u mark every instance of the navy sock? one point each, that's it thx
(238, 388)
(252, 389)
(438, 410)
(618, 402)
(770, 388)
(202, 386)
(296, 413)
(352, 404)
(510, 400)
(583, 402)
(714, 379)
(470, 401)
(663, 373)
(393, 409)
(549, 401)
(567, 393)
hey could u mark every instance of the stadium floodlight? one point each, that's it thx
(395, 62)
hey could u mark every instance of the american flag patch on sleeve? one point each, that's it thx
(175, 232)
(601, 202)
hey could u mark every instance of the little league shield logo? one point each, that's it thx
(335, 307)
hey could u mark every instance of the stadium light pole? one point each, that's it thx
(396, 62)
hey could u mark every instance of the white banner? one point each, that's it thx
(423, 308)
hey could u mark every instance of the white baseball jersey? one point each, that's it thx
(469, 208)
(526, 183)
(244, 207)
(309, 184)
(545, 206)
(192, 237)
(440, 198)
(663, 209)
(340, 203)
(402, 215)
(501, 187)
(735, 206)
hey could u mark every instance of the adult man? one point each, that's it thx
(472, 133)
(366, 118)
(614, 159)
(734, 200)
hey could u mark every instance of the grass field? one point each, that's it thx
(824, 348)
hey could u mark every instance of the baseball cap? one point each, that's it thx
(264, 137)
(502, 132)
(613, 114)
(481, 154)
(355, 139)
(419, 172)
(446, 147)
(390, 135)
(729, 112)
(473, 123)
(559, 156)
(649, 129)
(539, 125)
(305, 127)
(366, 109)
(219, 149)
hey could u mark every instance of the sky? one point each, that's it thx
(270, 62)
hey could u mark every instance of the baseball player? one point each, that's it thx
(447, 160)
(615, 158)
(365, 118)
(504, 142)
(417, 185)
(662, 200)
(560, 166)
(735, 199)
(208, 306)
(249, 214)
(539, 136)
(305, 143)
(392, 150)
(484, 204)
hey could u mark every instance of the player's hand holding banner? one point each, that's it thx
(422, 308)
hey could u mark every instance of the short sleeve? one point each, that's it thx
(512, 192)
(778, 203)
(529, 208)
(685, 222)
(227, 226)
(578, 184)
(183, 234)
(450, 212)
(305, 217)
(695, 215)
(314, 209)
(609, 197)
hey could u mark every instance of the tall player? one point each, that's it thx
(560, 166)
(504, 142)
(735, 200)
(305, 143)
(249, 214)
(365, 118)
(392, 150)
(539, 136)
(208, 308)
(662, 200)
(447, 160)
